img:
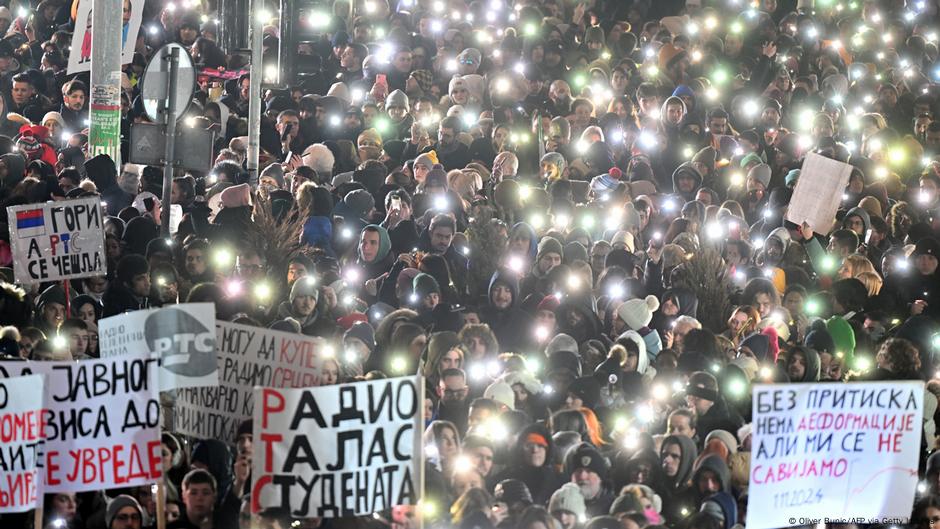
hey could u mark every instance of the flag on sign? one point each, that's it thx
(30, 223)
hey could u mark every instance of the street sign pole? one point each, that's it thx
(256, 27)
(105, 97)
(169, 111)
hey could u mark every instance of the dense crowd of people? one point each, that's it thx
(571, 217)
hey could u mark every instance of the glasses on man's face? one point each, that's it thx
(128, 517)
(454, 393)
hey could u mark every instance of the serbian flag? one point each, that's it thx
(30, 223)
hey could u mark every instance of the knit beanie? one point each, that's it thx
(585, 456)
(501, 392)
(568, 498)
(588, 389)
(424, 285)
(792, 177)
(606, 182)
(843, 337)
(549, 245)
(436, 177)
(750, 158)
(725, 437)
(637, 313)
(363, 332)
(819, 339)
(304, 288)
(512, 491)
(117, 504)
(359, 201)
(761, 173)
(397, 99)
(428, 159)
(275, 172)
(561, 342)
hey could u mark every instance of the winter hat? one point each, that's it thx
(637, 313)
(705, 156)
(792, 177)
(275, 172)
(397, 99)
(549, 303)
(236, 196)
(117, 504)
(843, 337)
(819, 339)
(927, 246)
(501, 392)
(470, 56)
(575, 251)
(606, 182)
(549, 245)
(725, 437)
(360, 202)
(759, 344)
(626, 503)
(761, 173)
(54, 116)
(424, 78)
(585, 456)
(436, 177)
(512, 491)
(702, 385)
(304, 288)
(363, 332)
(564, 359)
(588, 389)
(424, 285)
(568, 498)
(561, 342)
(669, 54)
(428, 159)
(748, 365)
(129, 266)
(749, 159)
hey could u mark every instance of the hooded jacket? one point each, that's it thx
(686, 169)
(542, 481)
(860, 213)
(717, 465)
(510, 325)
(103, 173)
(674, 488)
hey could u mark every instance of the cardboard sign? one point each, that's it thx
(20, 435)
(247, 357)
(834, 453)
(101, 422)
(57, 240)
(181, 336)
(335, 451)
(818, 192)
(80, 56)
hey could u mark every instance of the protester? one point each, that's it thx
(574, 221)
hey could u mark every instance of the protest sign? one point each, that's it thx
(20, 435)
(80, 56)
(57, 240)
(834, 453)
(181, 336)
(100, 422)
(247, 357)
(336, 451)
(818, 192)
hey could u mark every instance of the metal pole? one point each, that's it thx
(169, 115)
(254, 90)
(105, 97)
